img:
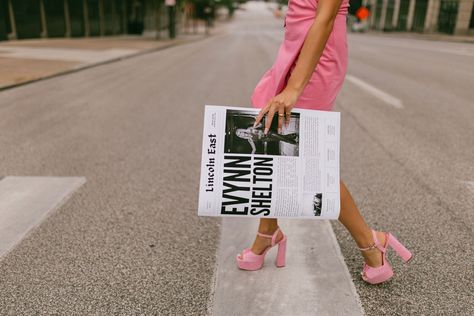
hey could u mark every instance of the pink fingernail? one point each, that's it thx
(266, 130)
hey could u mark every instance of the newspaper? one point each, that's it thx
(293, 173)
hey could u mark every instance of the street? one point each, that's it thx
(129, 240)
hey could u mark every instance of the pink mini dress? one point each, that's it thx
(328, 76)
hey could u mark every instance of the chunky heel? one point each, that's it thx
(281, 255)
(400, 249)
(248, 260)
(383, 273)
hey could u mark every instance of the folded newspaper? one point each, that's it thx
(291, 173)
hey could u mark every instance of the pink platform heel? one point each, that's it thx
(384, 272)
(251, 261)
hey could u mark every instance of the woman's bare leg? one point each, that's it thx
(351, 218)
(266, 226)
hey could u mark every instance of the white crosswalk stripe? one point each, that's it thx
(26, 201)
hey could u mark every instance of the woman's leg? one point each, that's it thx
(351, 218)
(266, 226)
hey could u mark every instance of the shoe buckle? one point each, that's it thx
(373, 246)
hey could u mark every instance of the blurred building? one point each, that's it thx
(81, 18)
(428, 16)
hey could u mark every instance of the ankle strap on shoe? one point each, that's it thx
(273, 237)
(373, 246)
(376, 243)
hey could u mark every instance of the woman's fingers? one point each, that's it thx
(261, 114)
(281, 116)
(268, 121)
(269, 110)
(287, 117)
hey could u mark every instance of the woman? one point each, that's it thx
(308, 73)
(256, 134)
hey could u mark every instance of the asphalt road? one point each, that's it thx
(130, 242)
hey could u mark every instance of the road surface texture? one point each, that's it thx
(28, 60)
(128, 241)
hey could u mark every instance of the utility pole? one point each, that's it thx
(158, 7)
(13, 34)
(171, 4)
(44, 25)
(67, 19)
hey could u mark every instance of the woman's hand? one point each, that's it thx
(282, 104)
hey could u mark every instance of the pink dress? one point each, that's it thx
(328, 76)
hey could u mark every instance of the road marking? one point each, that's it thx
(315, 280)
(384, 96)
(26, 201)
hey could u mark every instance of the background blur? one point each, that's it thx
(101, 107)
(21, 19)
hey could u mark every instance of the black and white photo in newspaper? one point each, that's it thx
(291, 173)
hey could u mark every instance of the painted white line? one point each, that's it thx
(384, 96)
(26, 201)
(315, 280)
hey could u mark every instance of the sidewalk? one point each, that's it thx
(24, 61)
(423, 36)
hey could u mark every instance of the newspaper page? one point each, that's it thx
(291, 173)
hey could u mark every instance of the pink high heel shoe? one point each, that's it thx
(251, 261)
(384, 272)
